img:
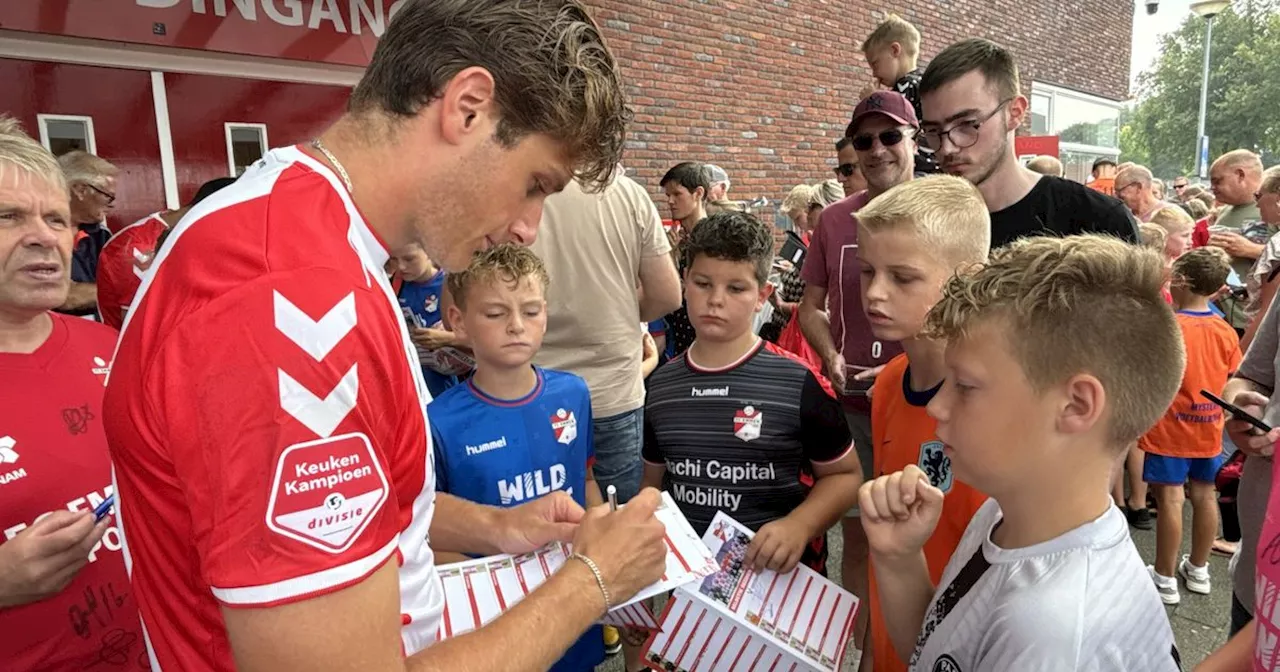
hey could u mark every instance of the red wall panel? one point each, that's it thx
(199, 105)
(123, 121)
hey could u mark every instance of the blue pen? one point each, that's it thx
(100, 511)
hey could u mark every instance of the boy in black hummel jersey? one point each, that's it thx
(735, 424)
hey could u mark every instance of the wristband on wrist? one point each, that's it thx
(595, 571)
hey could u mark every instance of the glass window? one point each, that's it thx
(246, 143)
(1040, 106)
(61, 134)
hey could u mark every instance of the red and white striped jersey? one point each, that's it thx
(266, 417)
(123, 260)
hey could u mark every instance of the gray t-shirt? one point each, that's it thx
(1259, 365)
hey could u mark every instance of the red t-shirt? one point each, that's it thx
(121, 265)
(832, 263)
(53, 455)
(267, 417)
(1192, 427)
(902, 433)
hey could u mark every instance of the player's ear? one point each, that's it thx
(765, 291)
(455, 320)
(895, 49)
(1084, 401)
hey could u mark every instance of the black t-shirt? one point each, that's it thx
(1058, 207)
(909, 87)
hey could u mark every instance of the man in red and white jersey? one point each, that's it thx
(129, 253)
(65, 600)
(266, 413)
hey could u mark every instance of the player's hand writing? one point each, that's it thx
(777, 546)
(899, 512)
(535, 524)
(627, 545)
(45, 557)
(1244, 435)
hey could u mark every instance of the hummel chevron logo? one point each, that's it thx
(7, 454)
(140, 260)
(321, 416)
(317, 337)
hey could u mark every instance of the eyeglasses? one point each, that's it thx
(888, 138)
(962, 135)
(111, 198)
(1120, 190)
(845, 169)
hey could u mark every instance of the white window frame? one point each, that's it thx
(1054, 92)
(230, 126)
(44, 119)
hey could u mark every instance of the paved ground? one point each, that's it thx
(1199, 623)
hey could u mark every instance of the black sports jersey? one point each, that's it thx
(741, 439)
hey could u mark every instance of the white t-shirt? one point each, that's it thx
(1082, 601)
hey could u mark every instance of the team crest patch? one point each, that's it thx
(565, 425)
(946, 663)
(326, 492)
(432, 303)
(747, 423)
(936, 464)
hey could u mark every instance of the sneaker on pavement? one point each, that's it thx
(1139, 518)
(1197, 578)
(612, 641)
(1167, 586)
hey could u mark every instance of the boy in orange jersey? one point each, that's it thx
(1185, 446)
(912, 239)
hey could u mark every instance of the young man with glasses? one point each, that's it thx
(847, 170)
(972, 106)
(882, 137)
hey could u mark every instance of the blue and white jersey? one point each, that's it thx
(507, 452)
(420, 301)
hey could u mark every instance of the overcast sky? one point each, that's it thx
(1148, 29)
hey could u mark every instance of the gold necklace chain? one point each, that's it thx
(342, 171)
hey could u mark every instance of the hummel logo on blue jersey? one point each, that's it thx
(487, 446)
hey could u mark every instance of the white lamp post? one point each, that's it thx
(1206, 9)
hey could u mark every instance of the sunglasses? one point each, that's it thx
(1179, 187)
(888, 138)
(845, 169)
(111, 198)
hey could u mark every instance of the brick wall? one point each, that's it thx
(765, 87)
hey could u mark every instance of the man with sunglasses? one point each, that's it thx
(882, 137)
(92, 183)
(848, 172)
(972, 105)
(1179, 185)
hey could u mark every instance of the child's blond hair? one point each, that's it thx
(1173, 220)
(894, 28)
(1203, 270)
(1081, 304)
(1152, 235)
(507, 263)
(947, 213)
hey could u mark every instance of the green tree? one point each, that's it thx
(1244, 91)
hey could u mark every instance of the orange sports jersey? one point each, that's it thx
(1106, 185)
(902, 433)
(1192, 427)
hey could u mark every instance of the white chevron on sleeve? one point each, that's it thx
(321, 416)
(139, 257)
(317, 337)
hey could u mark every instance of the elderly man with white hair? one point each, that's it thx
(92, 184)
(57, 558)
(1134, 187)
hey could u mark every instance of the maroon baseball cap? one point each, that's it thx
(888, 103)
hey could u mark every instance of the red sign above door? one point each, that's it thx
(324, 31)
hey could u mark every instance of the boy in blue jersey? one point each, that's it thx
(423, 299)
(513, 432)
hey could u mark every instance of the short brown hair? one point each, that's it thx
(553, 73)
(994, 62)
(1203, 270)
(1081, 304)
(508, 262)
(894, 28)
(946, 213)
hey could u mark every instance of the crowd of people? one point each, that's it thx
(253, 454)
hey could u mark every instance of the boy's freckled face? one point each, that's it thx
(723, 297)
(505, 323)
(900, 282)
(995, 425)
